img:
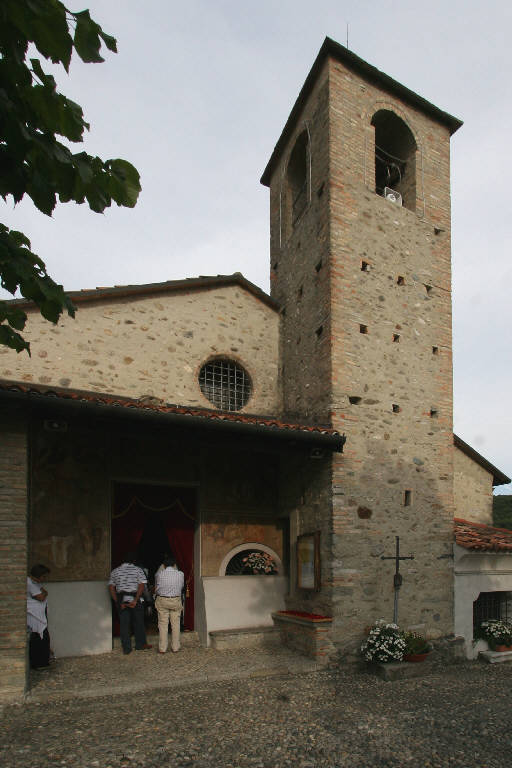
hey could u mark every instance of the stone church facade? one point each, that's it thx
(231, 421)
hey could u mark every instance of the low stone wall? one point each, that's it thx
(308, 634)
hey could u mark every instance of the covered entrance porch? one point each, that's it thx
(251, 480)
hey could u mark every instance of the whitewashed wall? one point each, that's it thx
(236, 602)
(477, 572)
(79, 617)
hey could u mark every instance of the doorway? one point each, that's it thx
(152, 521)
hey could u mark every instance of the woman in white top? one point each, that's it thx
(37, 620)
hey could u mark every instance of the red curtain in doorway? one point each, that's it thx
(153, 520)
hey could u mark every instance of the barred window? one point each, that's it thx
(492, 605)
(226, 384)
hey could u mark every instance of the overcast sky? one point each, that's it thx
(196, 99)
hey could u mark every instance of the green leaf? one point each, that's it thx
(42, 193)
(14, 316)
(32, 159)
(87, 40)
(10, 338)
(125, 185)
(46, 80)
(109, 41)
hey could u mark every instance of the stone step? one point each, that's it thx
(188, 639)
(244, 637)
(495, 657)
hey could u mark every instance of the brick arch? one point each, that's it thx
(285, 192)
(393, 154)
(390, 106)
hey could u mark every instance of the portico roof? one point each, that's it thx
(75, 400)
(482, 538)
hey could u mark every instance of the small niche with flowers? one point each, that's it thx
(252, 562)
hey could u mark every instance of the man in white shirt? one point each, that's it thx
(37, 620)
(126, 585)
(168, 587)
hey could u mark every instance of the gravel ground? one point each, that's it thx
(457, 715)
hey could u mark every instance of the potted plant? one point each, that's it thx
(497, 633)
(385, 643)
(416, 647)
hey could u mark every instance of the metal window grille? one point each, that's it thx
(225, 384)
(492, 605)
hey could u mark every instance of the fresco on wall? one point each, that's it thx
(70, 504)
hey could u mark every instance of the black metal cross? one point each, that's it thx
(397, 579)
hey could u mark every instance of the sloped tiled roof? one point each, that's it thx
(169, 286)
(498, 477)
(482, 538)
(37, 393)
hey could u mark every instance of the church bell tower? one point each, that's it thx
(360, 264)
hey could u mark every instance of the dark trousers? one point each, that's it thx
(39, 649)
(132, 619)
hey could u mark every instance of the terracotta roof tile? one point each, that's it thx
(482, 538)
(157, 406)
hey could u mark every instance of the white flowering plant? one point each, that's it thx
(496, 632)
(385, 642)
(259, 563)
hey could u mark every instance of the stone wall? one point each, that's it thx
(299, 275)
(472, 488)
(154, 345)
(306, 499)
(13, 554)
(367, 344)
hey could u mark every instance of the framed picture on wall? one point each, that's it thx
(308, 561)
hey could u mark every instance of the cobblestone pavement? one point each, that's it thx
(271, 715)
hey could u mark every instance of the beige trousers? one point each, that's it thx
(169, 610)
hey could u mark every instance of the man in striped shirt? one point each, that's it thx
(126, 585)
(168, 587)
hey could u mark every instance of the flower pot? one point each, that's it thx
(415, 657)
(502, 648)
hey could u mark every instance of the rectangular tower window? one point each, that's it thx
(435, 350)
(433, 413)
(363, 328)
(396, 408)
(400, 280)
(365, 267)
(396, 337)
(407, 498)
(319, 331)
(428, 289)
(318, 266)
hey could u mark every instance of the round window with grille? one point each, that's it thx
(226, 384)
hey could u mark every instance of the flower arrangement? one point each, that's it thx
(415, 645)
(496, 632)
(385, 642)
(259, 563)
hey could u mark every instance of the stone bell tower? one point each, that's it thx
(360, 263)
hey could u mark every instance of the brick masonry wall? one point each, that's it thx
(299, 276)
(13, 555)
(154, 346)
(305, 498)
(472, 486)
(386, 452)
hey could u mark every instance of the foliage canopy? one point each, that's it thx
(33, 160)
